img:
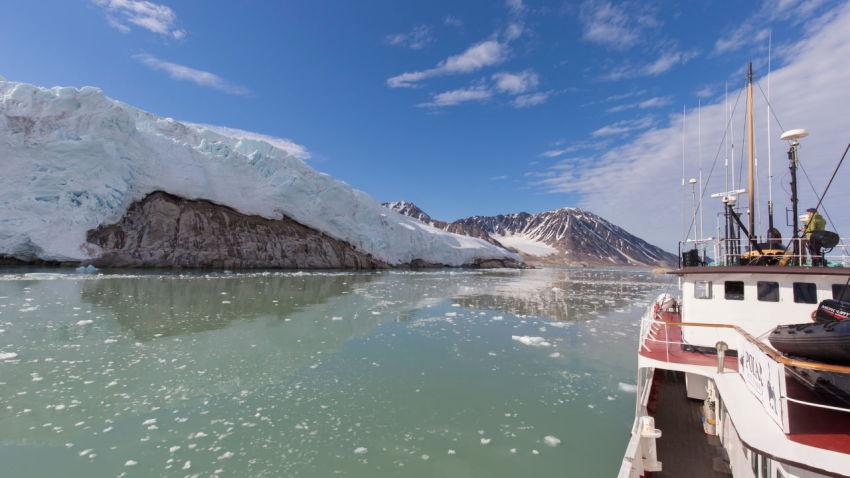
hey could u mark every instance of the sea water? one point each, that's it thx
(448, 373)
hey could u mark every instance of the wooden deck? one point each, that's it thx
(683, 449)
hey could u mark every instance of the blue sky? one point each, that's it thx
(478, 107)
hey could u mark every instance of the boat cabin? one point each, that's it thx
(754, 298)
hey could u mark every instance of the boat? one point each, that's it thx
(827, 342)
(722, 388)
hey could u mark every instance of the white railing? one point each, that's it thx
(779, 251)
(655, 328)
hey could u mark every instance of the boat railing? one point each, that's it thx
(657, 333)
(762, 251)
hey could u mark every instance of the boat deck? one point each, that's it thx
(816, 427)
(683, 449)
(664, 344)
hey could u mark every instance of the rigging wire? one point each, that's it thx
(714, 163)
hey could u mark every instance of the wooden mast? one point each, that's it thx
(751, 153)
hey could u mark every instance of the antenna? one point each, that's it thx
(769, 139)
(725, 139)
(684, 228)
(794, 136)
(699, 165)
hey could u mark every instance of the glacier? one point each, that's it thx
(72, 159)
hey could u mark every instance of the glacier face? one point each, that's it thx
(73, 159)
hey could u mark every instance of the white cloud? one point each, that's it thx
(654, 102)
(455, 97)
(666, 61)
(624, 127)
(516, 7)
(705, 91)
(531, 99)
(154, 17)
(416, 39)
(618, 26)
(756, 29)
(452, 21)
(804, 93)
(516, 83)
(503, 177)
(199, 77)
(480, 55)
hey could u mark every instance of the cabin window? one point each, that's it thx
(805, 293)
(734, 290)
(768, 291)
(837, 289)
(702, 289)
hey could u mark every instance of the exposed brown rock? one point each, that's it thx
(164, 230)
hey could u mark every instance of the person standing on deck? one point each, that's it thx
(814, 222)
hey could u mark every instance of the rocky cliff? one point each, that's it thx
(164, 230)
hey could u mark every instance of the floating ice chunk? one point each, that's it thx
(361, 450)
(513, 451)
(627, 387)
(555, 354)
(187, 465)
(531, 341)
(535, 452)
(336, 318)
(86, 452)
(551, 441)
(89, 269)
(8, 355)
(486, 441)
(149, 421)
(497, 317)
(131, 463)
(110, 341)
(452, 452)
(85, 322)
(226, 455)
(173, 448)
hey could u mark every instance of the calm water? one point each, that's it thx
(415, 374)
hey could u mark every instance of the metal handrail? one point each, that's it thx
(773, 354)
(731, 251)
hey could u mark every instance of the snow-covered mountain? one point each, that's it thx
(563, 236)
(74, 160)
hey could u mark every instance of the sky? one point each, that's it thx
(481, 107)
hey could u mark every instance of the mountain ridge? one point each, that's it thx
(567, 235)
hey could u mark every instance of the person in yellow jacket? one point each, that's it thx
(815, 222)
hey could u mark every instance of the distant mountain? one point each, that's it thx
(568, 236)
(457, 227)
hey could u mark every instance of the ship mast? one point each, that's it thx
(750, 153)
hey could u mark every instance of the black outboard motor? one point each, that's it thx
(691, 258)
(832, 310)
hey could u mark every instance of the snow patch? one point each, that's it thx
(525, 244)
